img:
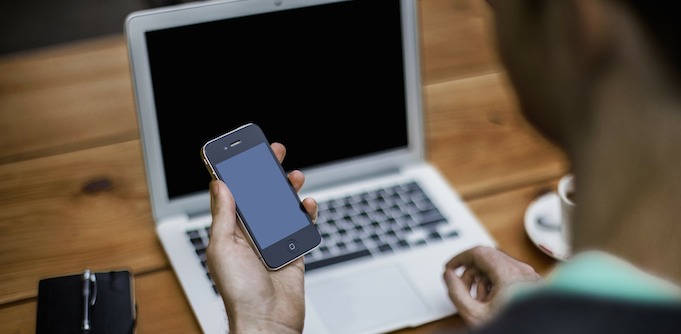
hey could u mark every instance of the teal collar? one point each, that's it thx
(597, 273)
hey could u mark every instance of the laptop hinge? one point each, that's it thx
(340, 180)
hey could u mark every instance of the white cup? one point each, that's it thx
(566, 191)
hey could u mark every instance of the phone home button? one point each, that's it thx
(292, 246)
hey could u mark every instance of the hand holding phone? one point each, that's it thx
(269, 208)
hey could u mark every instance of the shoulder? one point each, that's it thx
(555, 312)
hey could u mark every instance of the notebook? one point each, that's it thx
(338, 83)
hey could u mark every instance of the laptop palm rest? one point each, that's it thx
(343, 306)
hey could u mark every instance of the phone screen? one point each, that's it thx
(264, 197)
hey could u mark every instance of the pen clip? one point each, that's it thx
(93, 289)
(89, 296)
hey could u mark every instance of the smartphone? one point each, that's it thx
(267, 205)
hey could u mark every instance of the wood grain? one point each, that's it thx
(64, 99)
(480, 140)
(19, 318)
(52, 224)
(503, 214)
(456, 40)
(162, 306)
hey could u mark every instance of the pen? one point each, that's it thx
(88, 279)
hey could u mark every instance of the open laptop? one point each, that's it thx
(337, 82)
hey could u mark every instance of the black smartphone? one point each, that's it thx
(267, 205)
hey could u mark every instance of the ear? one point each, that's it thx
(593, 29)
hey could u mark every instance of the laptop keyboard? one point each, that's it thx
(378, 222)
(366, 224)
(199, 238)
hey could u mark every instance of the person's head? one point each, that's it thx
(558, 53)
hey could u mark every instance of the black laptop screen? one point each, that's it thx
(326, 81)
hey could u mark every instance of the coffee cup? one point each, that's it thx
(566, 192)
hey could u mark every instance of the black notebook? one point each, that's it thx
(96, 302)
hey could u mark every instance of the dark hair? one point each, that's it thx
(662, 21)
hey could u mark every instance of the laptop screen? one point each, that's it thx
(327, 81)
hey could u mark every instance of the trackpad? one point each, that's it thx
(366, 300)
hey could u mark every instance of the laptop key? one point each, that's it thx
(337, 259)
(431, 218)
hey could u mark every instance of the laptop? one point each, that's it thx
(338, 83)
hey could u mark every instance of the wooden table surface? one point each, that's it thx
(73, 193)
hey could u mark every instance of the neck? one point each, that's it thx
(628, 169)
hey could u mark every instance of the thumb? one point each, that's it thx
(460, 293)
(222, 209)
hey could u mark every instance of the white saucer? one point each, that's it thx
(542, 224)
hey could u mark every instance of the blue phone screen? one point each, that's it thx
(262, 195)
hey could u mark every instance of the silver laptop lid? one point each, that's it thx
(338, 82)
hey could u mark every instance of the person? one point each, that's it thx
(601, 79)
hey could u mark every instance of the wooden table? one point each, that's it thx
(72, 186)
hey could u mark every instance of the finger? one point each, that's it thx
(222, 209)
(464, 258)
(482, 289)
(473, 277)
(488, 260)
(296, 178)
(459, 293)
(470, 276)
(279, 150)
(310, 205)
(458, 290)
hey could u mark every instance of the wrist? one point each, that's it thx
(260, 325)
(254, 322)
